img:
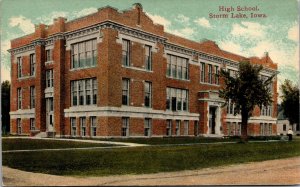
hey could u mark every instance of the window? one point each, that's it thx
(169, 127)
(32, 97)
(32, 64)
(49, 78)
(177, 129)
(19, 97)
(230, 107)
(19, 126)
(284, 127)
(186, 127)
(73, 127)
(148, 94)
(19, 64)
(229, 129)
(169, 65)
(238, 128)
(83, 126)
(266, 110)
(126, 52)
(125, 126)
(32, 124)
(84, 92)
(202, 75)
(84, 54)
(93, 125)
(270, 129)
(177, 67)
(210, 73)
(262, 132)
(148, 58)
(48, 55)
(125, 91)
(177, 99)
(216, 75)
(147, 127)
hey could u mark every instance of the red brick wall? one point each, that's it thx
(109, 73)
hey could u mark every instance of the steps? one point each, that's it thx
(41, 135)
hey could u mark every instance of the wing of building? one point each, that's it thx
(116, 73)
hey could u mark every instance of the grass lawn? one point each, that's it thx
(26, 144)
(137, 160)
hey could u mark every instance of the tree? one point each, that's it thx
(290, 101)
(246, 90)
(5, 106)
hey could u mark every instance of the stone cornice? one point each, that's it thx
(134, 32)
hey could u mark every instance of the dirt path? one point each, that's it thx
(276, 172)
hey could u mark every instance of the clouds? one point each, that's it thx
(203, 22)
(249, 30)
(231, 47)
(182, 19)
(293, 33)
(24, 24)
(160, 20)
(48, 19)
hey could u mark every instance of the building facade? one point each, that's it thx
(117, 74)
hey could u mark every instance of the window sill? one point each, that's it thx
(206, 83)
(49, 62)
(26, 77)
(139, 69)
(78, 69)
(187, 80)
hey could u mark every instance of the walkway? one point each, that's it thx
(272, 172)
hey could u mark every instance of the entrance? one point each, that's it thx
(212, 120)
(49, 114)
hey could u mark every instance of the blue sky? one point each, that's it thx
(278, 33)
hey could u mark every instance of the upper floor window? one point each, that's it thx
(125, 91)
(84, 54)
(202, 74)
(177, 67)
(32, 64)
(217, 75)
(266, 110)
(125, 52)
(148, 94)
(32, 97)
(49, 78)
(148, 58)
(19, 98)
(19, 65)
(177, 99)
(84, 92)
(49, 55)
(210, 73)
(233, 73)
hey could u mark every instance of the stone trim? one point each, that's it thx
(133, 32)
(129, 111)
(25, 113)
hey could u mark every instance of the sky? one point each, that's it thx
(277, 33)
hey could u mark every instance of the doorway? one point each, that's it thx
(49, 114)
(212, 120)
